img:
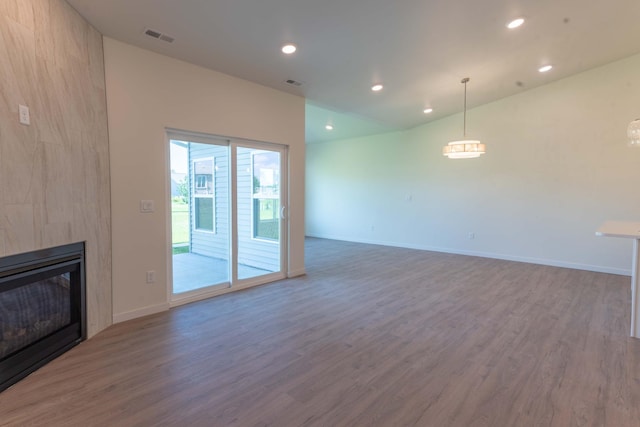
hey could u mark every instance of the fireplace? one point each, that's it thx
(42, 308)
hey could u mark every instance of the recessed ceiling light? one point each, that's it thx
(289, 49)
(377, 87)
(545, 68)
(515, 23)
(328, 127)
(427, 110)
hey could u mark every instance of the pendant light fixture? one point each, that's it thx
(465, 148)
(633, 132)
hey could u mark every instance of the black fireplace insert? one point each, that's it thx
(42, 308)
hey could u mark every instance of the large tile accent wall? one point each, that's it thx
(54, 174)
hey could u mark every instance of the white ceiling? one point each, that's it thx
(419, 50)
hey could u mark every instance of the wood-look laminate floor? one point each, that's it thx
(372, 336)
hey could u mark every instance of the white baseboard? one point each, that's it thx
(140, 312)
(530, 260)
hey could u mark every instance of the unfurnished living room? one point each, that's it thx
(305, 213)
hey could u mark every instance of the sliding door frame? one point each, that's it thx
(234, 283)
(284, 213)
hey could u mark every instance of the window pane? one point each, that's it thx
(266, 174)
(204, 213)
(203, 177)
(266, 224)
(266, 191)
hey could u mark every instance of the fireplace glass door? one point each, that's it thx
(41, 308)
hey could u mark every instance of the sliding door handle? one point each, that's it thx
(282, 213)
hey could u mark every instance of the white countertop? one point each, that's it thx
(629, 229)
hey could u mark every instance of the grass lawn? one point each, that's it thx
(179, 223)
(180, 250)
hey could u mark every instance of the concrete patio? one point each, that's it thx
(192, 271)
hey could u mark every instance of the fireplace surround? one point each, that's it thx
(42, 308)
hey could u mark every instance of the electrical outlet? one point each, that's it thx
(151, 276)
(471, 235)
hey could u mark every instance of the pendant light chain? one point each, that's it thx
(464, 123)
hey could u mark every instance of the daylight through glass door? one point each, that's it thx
(199, 215)
(227, 214)
(259, 212)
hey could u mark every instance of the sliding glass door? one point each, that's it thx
(260, 211)
(227, 214)
(199, 215)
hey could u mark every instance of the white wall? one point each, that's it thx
(147, 93)
(556, 167)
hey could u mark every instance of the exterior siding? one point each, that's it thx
(214, 244)
(256, 253)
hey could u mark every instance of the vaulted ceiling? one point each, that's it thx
(419, 50)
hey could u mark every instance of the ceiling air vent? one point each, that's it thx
(293, 82)
(158, 35)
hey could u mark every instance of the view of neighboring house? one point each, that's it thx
(178, 180)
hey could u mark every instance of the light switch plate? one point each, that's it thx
(151, 276)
